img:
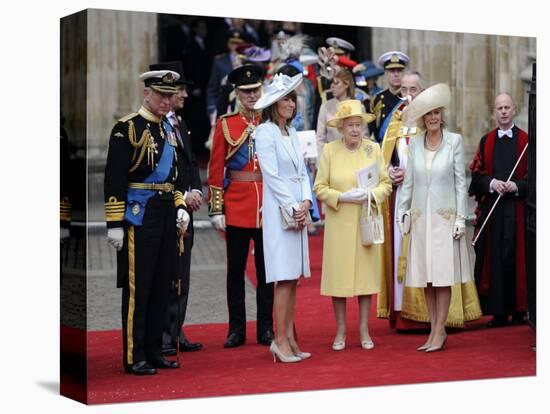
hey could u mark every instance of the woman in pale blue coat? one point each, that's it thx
(286, 189)
(434, 196)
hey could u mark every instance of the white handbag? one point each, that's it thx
(371, 224)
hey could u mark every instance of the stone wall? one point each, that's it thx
(476, 67)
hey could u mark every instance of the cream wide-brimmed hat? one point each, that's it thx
(348, 109)
(437, 96)
(280, 86)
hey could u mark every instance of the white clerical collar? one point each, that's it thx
(509, 133)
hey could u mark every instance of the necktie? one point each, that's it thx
(176, 125)
(502, 133)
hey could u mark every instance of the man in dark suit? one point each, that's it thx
(189, 177)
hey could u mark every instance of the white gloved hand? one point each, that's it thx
(218, 221)
(355, 195)
(64, 234)
(115, 237)
(459, 228)
(182, 219)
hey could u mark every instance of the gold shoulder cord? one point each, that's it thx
(137, 144)
(235, 144)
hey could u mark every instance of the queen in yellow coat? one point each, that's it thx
(349, 268)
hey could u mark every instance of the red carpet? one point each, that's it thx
(473, 353)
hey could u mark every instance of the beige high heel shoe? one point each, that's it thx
(339, 345)
(435, 348)
(277, 354)
(367, 344)
(303, 355)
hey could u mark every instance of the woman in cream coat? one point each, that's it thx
(349, 268)
(434, 195)
(286, 186)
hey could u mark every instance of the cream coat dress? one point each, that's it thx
(435, 192)
(285, 185)
(349, 268)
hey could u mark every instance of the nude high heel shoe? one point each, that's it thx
(303, 355)
(277, 354)
(368, 344)
(339, 345)
(435, 348)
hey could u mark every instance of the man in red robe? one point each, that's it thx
(500, 268)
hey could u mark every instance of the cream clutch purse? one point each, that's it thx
(288, 222)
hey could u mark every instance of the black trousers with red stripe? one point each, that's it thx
(151, 265)
(237, 244)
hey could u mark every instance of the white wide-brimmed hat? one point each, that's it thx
(280, 86)
(348, 109)
(437, 96)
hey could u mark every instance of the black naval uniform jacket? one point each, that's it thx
(135, 147)
(381, 105)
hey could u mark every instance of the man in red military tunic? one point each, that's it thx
(235, 187)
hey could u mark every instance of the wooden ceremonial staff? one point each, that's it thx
(499, 196)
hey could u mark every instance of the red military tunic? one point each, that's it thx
(240, 201)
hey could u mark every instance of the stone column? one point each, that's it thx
(121, 45)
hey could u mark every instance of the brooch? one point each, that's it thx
(368, 150)
(135, 209)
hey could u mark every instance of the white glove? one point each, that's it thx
(115, 237)
(459, 228)
(64, 234)
(182, 219)
(218, 221)
(355, 195)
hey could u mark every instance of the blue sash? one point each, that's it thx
(136, 199)
(386, 122)
(238, 161)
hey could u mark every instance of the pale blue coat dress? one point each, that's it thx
(285, 184)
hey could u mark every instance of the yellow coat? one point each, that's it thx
(349, 268)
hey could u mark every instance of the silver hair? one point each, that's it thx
(421, 80)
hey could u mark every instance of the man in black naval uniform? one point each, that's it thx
(384, 103)
(189, 175)
(144, 204)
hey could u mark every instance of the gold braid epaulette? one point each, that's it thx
(235, 144)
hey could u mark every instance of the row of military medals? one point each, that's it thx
(152, 147)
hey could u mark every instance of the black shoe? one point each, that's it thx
(234, 340)
(498, 321)
(266, 338)
(186, 346)
(168, 349)
(140, 368)
(163, 363)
